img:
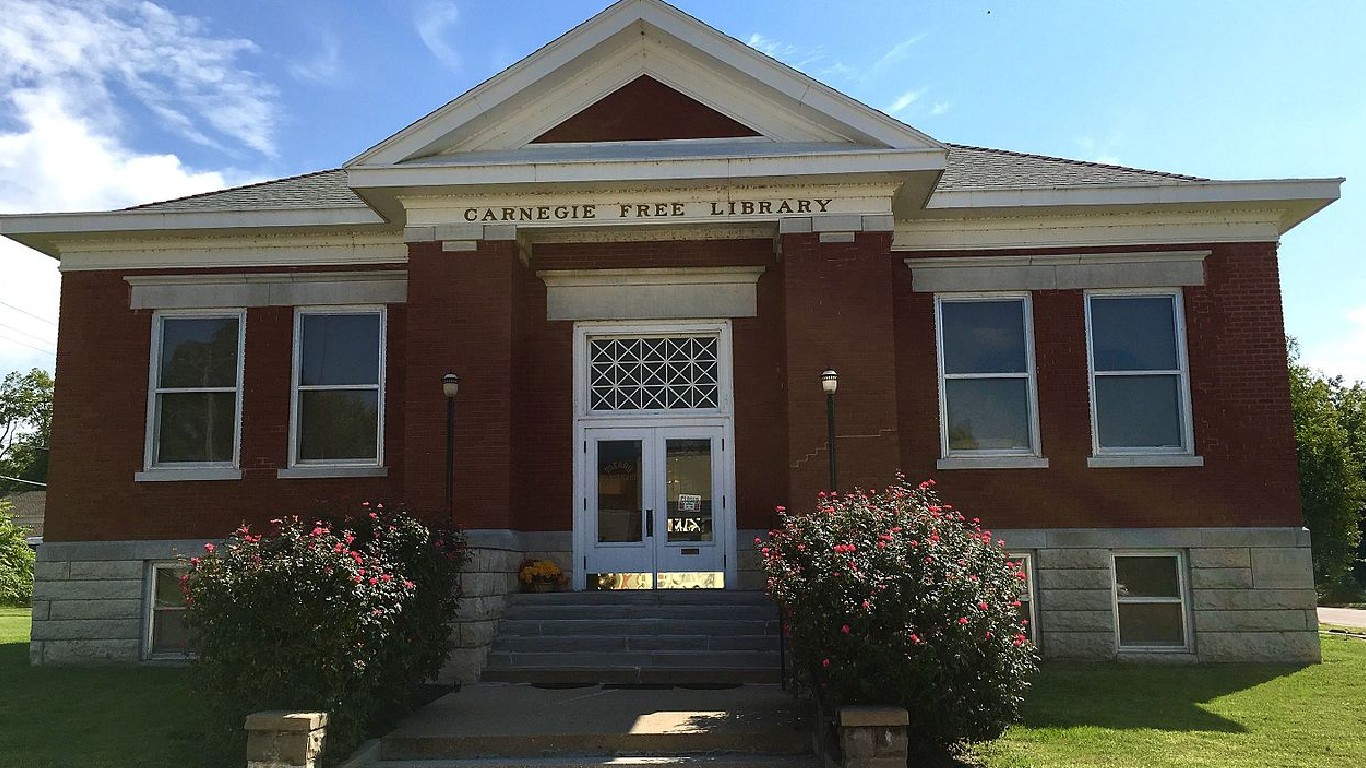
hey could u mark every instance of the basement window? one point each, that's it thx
(1150, 601)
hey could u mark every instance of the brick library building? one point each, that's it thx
(641, 249)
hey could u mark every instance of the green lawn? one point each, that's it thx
(1232, 716)
(1216, 715)
(89, 718)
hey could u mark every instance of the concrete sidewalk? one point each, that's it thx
(1348, 617)
(506, 720)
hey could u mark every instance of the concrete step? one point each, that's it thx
(638, 626)
(511, 725)
(550, 612)
(644, 597)
(511, 643)
(636, 659)
(701, 677)
(708, 760)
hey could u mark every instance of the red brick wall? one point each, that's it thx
(645, 110)
(843, 305)
(1240, 404)
(99, 427)
(839, 311)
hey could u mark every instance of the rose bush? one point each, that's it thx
(346, 617)
(896, 598)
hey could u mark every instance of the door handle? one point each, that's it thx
(649, 523)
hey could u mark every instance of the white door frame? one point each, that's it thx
(722, 417)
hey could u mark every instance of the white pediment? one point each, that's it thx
(631, 39)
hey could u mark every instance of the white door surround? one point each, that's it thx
(656, 396)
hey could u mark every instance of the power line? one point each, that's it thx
(43, 339)
(30, 346)
(26, 312)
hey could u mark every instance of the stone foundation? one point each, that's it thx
(1250, 593)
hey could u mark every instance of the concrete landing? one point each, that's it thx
(672, 725)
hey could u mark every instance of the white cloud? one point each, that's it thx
(92, 48)
(940, 108)
(324, 65)
(905, 100)
(1343, 354)
(1101, 150)
(62, 139)
(789, 54)
(434, 21)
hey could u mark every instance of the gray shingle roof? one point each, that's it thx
(320, 189)
(982, 168)
(969, 168)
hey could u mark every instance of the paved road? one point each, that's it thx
(1346, 616)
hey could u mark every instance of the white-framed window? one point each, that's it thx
(1140, 388)
(337, 403)
(194, 409)
(164, 634)
(988, 401)
(1151, 612)
(1026, 596)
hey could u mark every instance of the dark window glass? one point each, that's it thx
(1147, 577)
(983, 336)
(198, 353)
(196, 426)
(339, 350)
(619, 492)
(988, 414)
(1152, 624)
(1139, 411)
(338, 424)
(1134, 333)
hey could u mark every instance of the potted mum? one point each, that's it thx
(541, 576)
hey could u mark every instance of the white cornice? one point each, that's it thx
(48, 232)
(1003, 231)
(244, 251)
(644, 276)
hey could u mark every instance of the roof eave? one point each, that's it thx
(1296, 199)
(45, 232)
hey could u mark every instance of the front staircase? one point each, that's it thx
(661, 637)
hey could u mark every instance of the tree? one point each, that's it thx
(1332, 487)
(25, 424)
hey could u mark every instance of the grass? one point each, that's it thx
(1228, 715)
(91, 718)
(1116, 716)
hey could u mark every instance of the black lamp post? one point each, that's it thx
(830, 380)
(450, 385)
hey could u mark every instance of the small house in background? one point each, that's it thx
(27, 509)
(640, 248)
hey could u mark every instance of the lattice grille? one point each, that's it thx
(653, 373)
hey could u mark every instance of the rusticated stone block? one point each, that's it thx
(1074, 579)
(107, 569)
(1075, 599)
(88, 590)
(1282, 569)
(69, 610)
(1288, 620)
(873, 737)
(463, 665)
(1094, 559)
(91, 652)
(91, 629)
(50, 571)
(1299, 647)
(40, 610)
(1221, 557)
(1253, 599)
(1221, 578)
(1077, 621)
(1088, 646)
(471, 634)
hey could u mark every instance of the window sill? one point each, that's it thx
(992, 462)
(169, 474)
(1146, 460)
(330, 471)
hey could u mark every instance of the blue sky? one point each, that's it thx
(107, 103)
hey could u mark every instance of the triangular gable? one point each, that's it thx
(631, 39)
(645, 110)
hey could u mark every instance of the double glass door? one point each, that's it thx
(655, 509)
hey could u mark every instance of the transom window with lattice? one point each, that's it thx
(647, 373)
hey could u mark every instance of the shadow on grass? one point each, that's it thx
(1123, 696)
(95, 717)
